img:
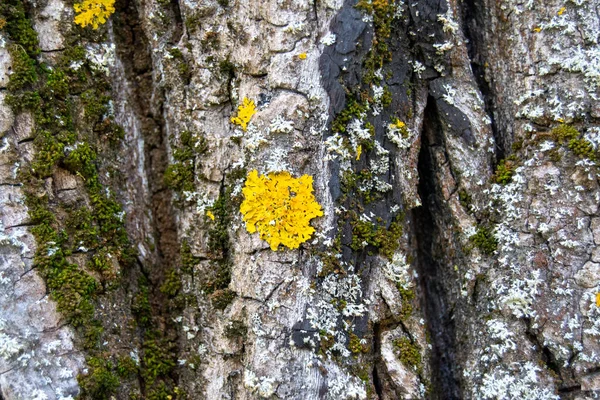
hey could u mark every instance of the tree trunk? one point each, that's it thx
(452, 147)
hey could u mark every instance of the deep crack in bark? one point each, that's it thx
(428, 223)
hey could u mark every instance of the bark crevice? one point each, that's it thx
(135, 53)
(473, 24)
(429, 221)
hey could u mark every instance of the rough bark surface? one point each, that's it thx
(454, 147)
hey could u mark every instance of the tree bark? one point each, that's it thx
(453, 146)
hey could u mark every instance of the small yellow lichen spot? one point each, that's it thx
(598, 299)
(245, 111)
(93, 12)
(537, 29)
(399, 124)
(560, 120)
(358, 152)
(210, 215)
(280, 207)
(302, 56)
(562, 11)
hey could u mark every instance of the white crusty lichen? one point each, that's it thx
(262, 386)
(346, 387)
(399, 134)
(521, 381)
(281, 125)
(329, 39)
(398, 271)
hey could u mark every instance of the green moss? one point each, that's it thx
(236, 329)
(188, 260)
(179, 176)
(80, 161)
(407, 297)
(484, 240)
(562, 134)
(23, 69)
(326, 342)
(140, 306)
(386, 98)
(126, 368)
(353, 109)
(69, 107)
(409, 353)
(172, 284)
(218, 235)
(582, 148)
(19, 26)
(158, 359)
(101, 381)
(465, 199)
(221, 298)
(504, 171)
(355, 346)
(385, 239)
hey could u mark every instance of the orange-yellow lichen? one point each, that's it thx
(280, 208)
(93, 12)
(597, 299)
(358, 152)
(245, 111)
(302, 56)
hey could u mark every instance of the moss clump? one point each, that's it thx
(236, 329)
(353, 109)
(218, 235)
(172, 284)
(562, 134)
(24, 71)
(126, 368)
(582, 148)
(385, 239)
(158, 360)
(465, 199)
(355, 346)
(407, 297)
(140, 306)
(101, 382)
(179, 176)
(18, 26)
(188, 260)
(222, 298)
(504, 171)
(484, 240)
(409, 353)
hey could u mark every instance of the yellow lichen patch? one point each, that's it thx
(399, 124)
(280, 208)
(93, 12)
(562, 11)
(537, 29)
(210, 215)
(597, 299)
(245, 112)
(358, 152)
(302, 56)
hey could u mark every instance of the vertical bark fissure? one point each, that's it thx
(377, 364)
(473, 22)
(428, 223)
(134, 51)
